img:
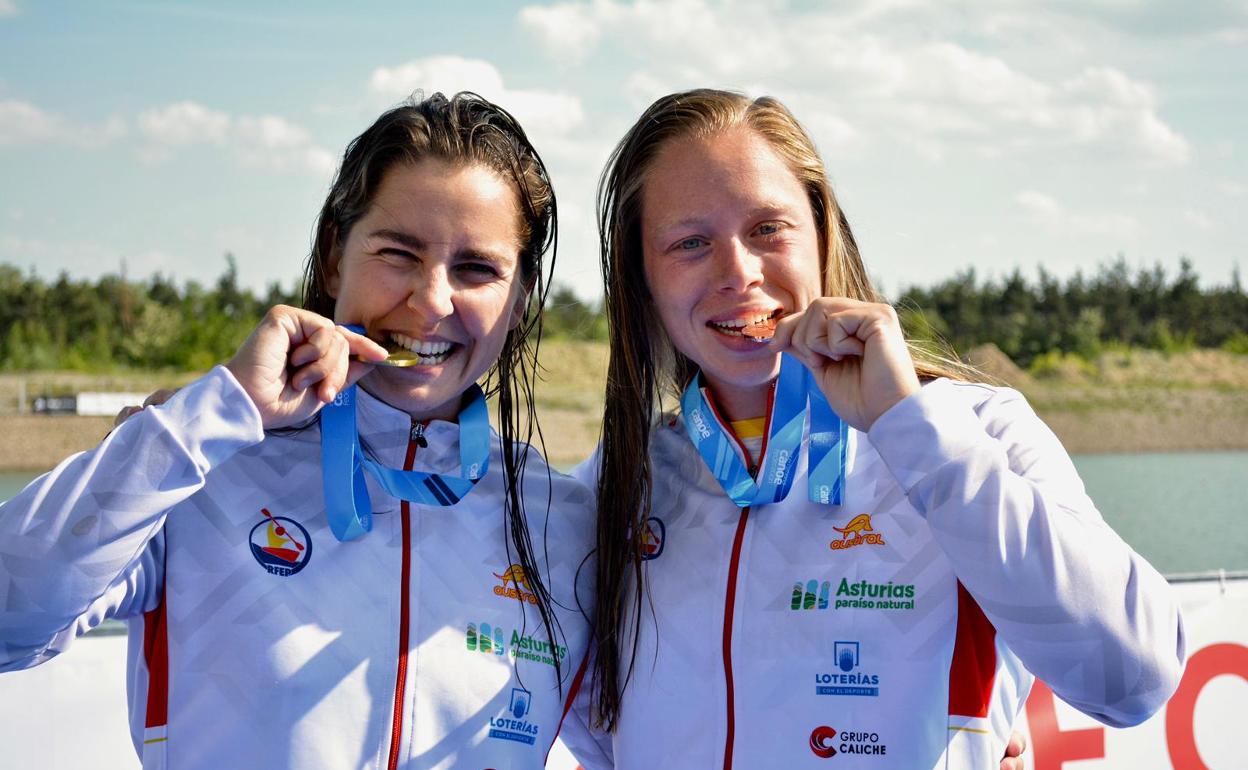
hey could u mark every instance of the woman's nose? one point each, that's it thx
(739, 268)
(431, 294)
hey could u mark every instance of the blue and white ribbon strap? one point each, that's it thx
(347, 503)
(795, 395)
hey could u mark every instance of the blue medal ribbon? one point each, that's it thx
(795, 396)
(347, 503)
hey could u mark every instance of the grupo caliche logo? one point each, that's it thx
(826, 742)
(281, 545)
(821, 739)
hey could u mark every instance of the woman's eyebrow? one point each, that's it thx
(398, 236)
(768, 209)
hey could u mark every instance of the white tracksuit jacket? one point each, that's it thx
(256, 638)
(901, 629)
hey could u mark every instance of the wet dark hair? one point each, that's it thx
(469, 130)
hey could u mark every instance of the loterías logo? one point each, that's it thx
(821, 741)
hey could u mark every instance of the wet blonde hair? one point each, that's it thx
(644, 365)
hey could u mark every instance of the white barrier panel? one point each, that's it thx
(1201, 728)
(70, 713)
(106, 404)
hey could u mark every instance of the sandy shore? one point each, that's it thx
(1134, 401)
(1201, 422)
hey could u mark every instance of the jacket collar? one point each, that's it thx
(387, 430)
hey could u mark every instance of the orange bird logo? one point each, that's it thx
(514, 574)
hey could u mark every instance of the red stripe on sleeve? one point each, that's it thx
(974, 666)
(156, 655)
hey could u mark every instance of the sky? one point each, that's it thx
(157, 136)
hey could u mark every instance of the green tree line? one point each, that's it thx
(1117, 306)
(114, 323)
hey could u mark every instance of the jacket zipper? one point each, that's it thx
(730, 594)
(416, 438)
(730, 600)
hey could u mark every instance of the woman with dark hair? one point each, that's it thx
(304, 590)
(839, 544)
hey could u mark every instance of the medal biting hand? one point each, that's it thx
(856, 352)
(296, 360)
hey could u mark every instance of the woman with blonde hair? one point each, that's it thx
(837, 545)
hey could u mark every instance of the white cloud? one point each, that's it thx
(569, 31)
(1103, 104)
(184, 123)
(552, 113)
(79, 258)
(1232, 36)
(21, 122)
(871, 66)
(1038, 204)
(1054, 216)
(448, 74)
(7, 8)
(268, 141)
(275, 142)
(1197, 219)
(1233, 189)
(24, 123)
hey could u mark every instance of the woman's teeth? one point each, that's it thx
(428, 353)
(734, 327)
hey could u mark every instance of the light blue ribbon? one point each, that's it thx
(347, 504)
(795, 395)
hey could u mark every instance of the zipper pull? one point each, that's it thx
(418, 434)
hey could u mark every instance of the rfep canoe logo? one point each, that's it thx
(281, 545)
(653, 537)
(857, 532)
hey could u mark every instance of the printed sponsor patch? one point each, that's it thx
(495, 640)
(513, 726)
(847, 678)
(281, 545)
(653, 538)
(818, 595)
(857, 532)
(826, 742)
(515, 584)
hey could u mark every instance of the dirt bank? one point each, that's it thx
(1125, 402)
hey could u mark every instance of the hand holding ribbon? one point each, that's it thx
(856, 354)
(295, 361)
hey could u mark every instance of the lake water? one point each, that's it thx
(1185, 512)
